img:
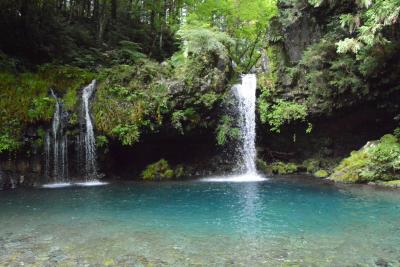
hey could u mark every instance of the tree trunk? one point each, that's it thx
(102, 22)
(113, 9)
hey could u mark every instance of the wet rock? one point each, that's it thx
(382, 263)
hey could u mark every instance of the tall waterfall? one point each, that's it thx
(246, 95)
(87, 138)
(56, 145)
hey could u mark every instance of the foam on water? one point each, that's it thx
(241, 178)
(57, 185)
(92, 183)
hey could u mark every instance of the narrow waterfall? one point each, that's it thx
(87, 138)
(246, 96)
(56, 146)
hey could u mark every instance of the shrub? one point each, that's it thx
(276, 115)
(377, 161)
(321, 174)
(282, 168)
(158, 171)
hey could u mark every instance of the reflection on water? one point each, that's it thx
(271, 223)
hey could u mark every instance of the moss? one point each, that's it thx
(349, 170)
(283, 168)
(158, 171)
(179, 171)
(321, 174)
(394, 184)
(278, 167)
(25, 99)
(311, 165)
(374, 162)
(140, 99)
(263, 166)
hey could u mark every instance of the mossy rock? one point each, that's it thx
(393, 184)
(277, 167)
(158, 171)
(263, 166)
(321, 174)
(179, 171)
(311, 165)
(283, 168)
(376, 161)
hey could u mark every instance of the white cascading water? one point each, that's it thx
(56, 147)
(88, 133)
(246, 96)
(56, 141)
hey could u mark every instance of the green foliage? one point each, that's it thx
(263, 166)
(8, 142)
(179, 171)
(277, 167)
(25, 99)
(131, 99)
(384, 161)
(375, 162)
(376, 16)
(315, 3)
(202, 41)
(323, 77)
(393, 184)
(127, 53)
(128, 134)
(245, 22)
(42, 107)
(349, 170)
(226, 132)
(101, 141)
(148, 96)
(283, 168)
(321, 174)
(276, 115)
(311, 165)
(158, 171)
(179, 118)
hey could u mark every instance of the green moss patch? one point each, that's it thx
(376, 161)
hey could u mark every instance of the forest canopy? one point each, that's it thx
(88, 33)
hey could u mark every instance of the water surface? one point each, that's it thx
(272, 223)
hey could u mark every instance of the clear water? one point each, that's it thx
(270, 223)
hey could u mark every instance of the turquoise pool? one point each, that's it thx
(278, 222)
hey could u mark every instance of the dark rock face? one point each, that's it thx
(20, 172)
(300, 34)
(299, 28)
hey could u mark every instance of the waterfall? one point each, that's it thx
(87, 138)
(246, 96)
(56, 145)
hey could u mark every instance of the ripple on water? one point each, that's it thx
(268, 223)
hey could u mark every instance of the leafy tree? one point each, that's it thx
(246, 22)
(369, 25)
